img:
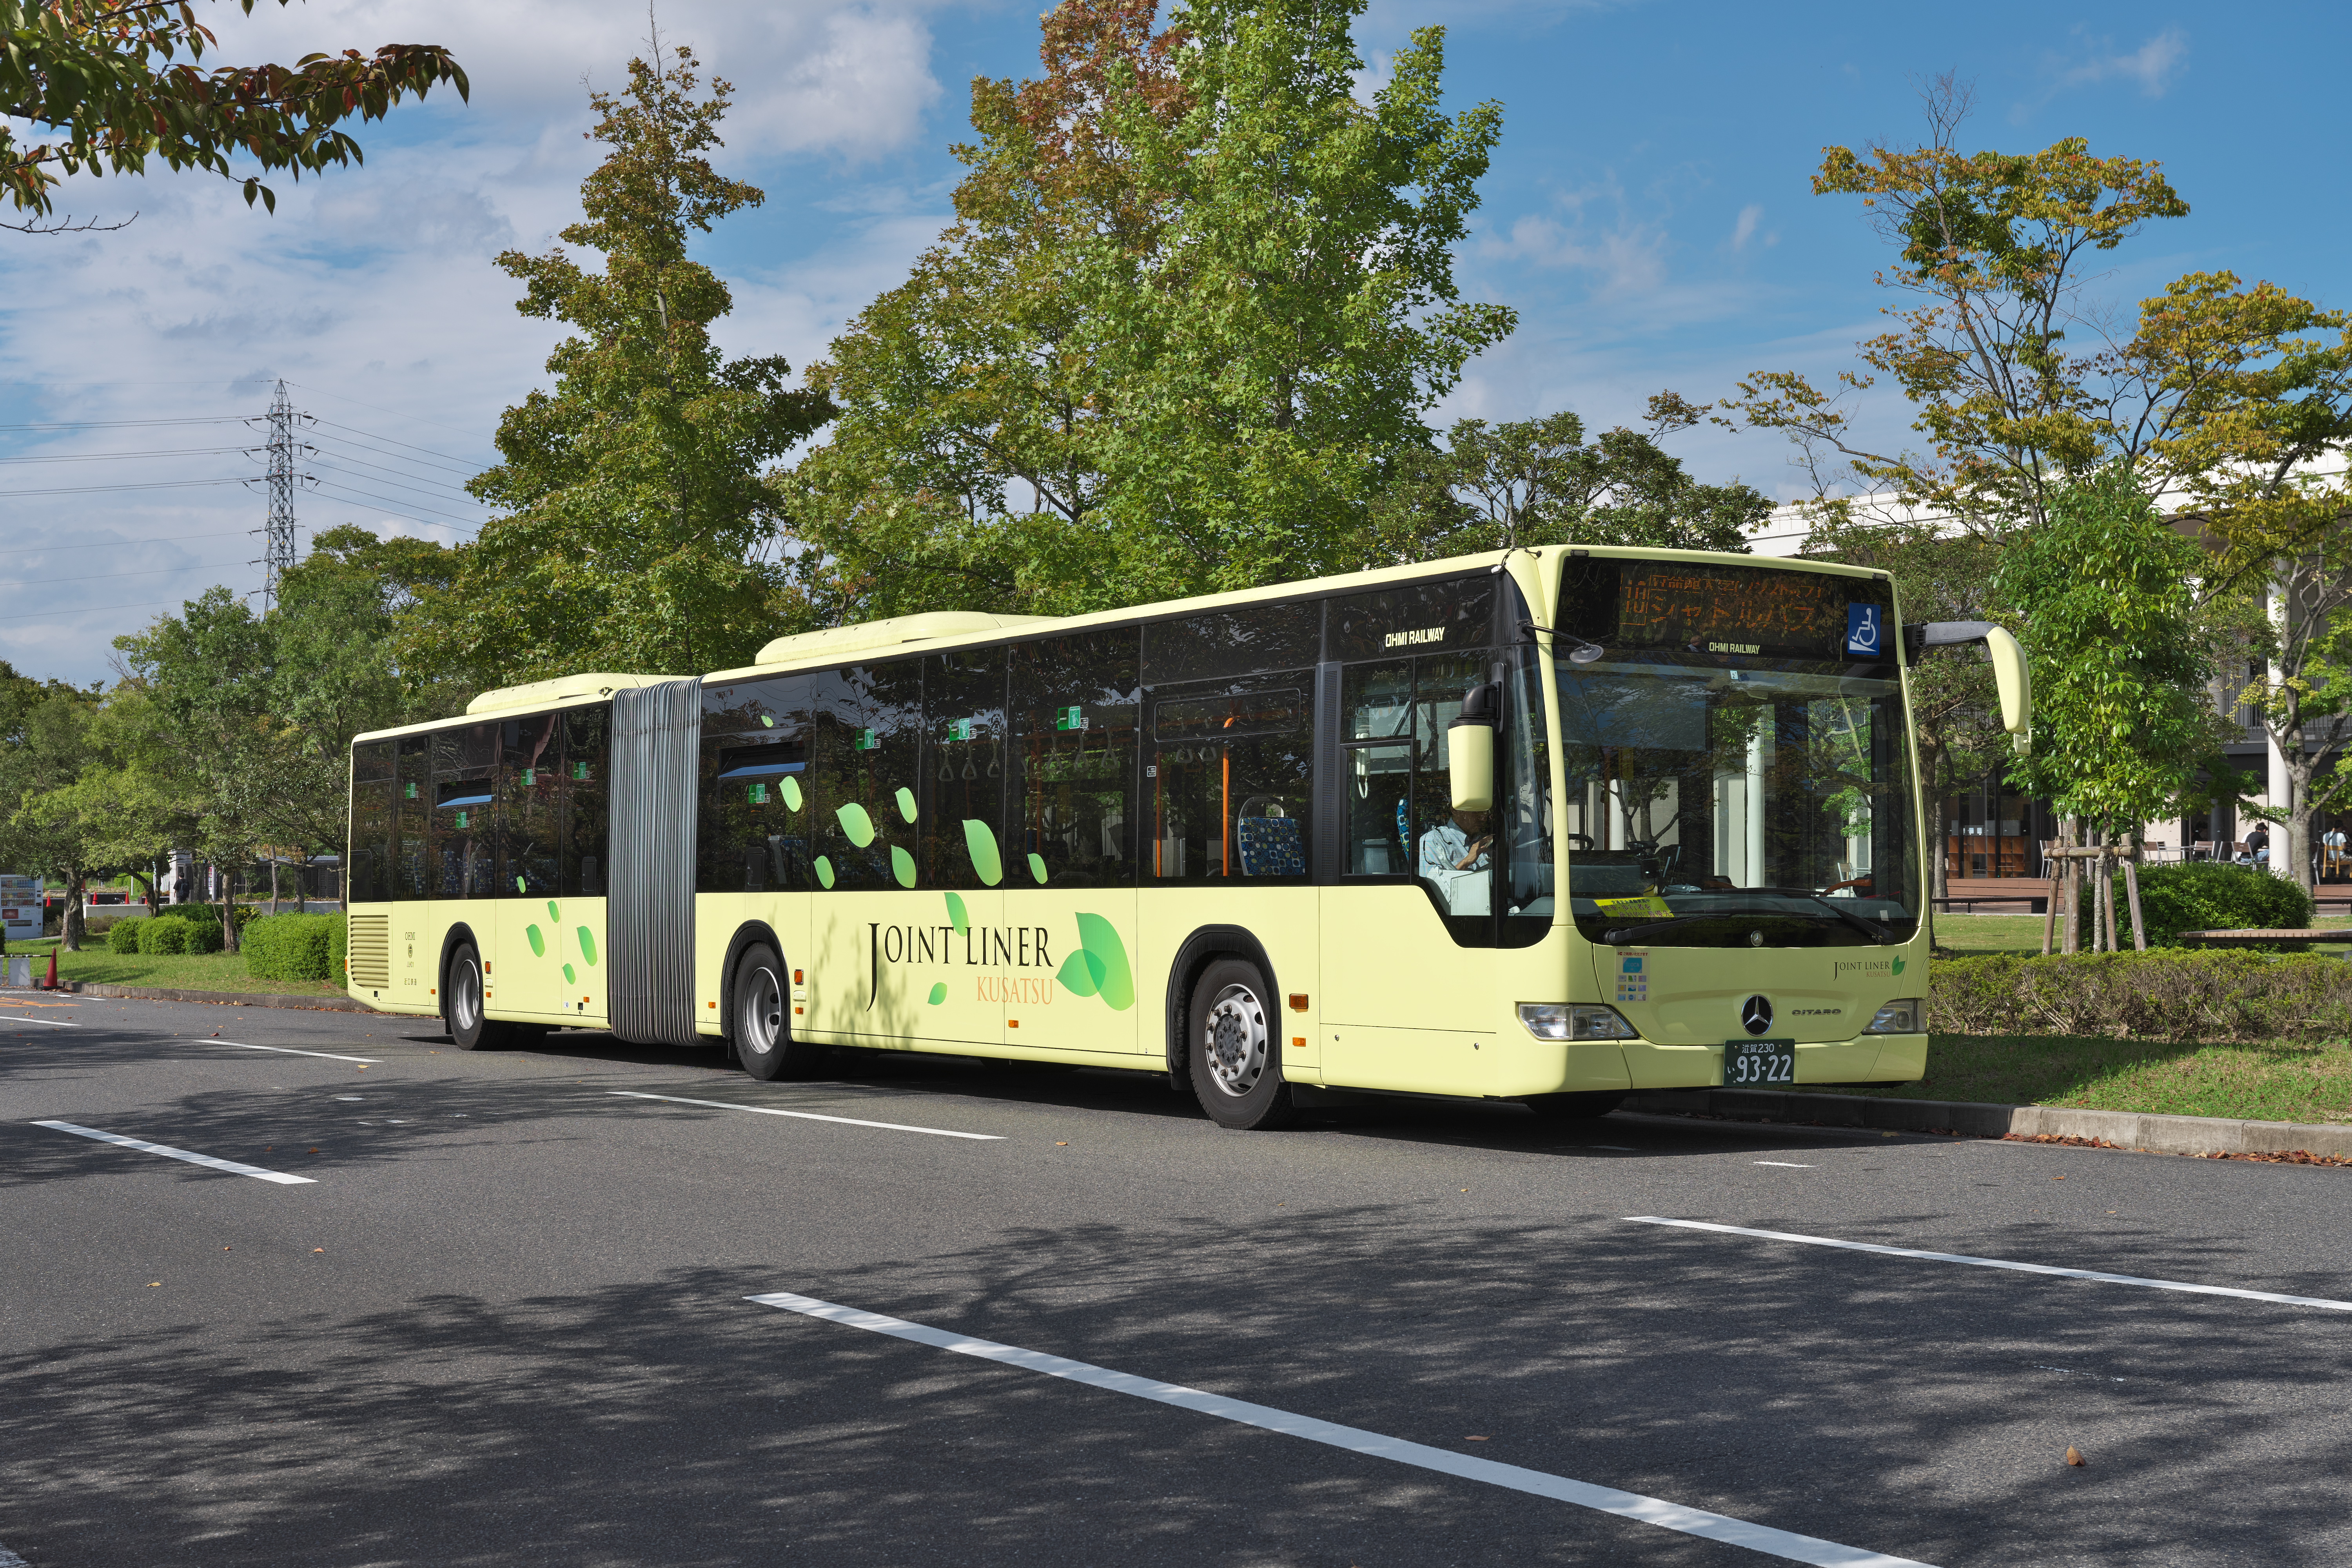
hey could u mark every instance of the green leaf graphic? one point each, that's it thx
(1898, 963)
(856, 824)
(570, 978)
(939, 993)
(1078, 975)
(907, 803)
(958, 916)
(979, 843)
(552, 913)
(824, 871)
(902, 866)
(587, 942)
(1099, 940)
(538, 943)
(1037, 866)
(520, 887)
(792, 792)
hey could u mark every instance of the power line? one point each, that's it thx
(396, 413)
(164, 452)
(92, 490)
(124, 424)
(456, 492)
(118, 543)
(461, 523)
(91, 610)
(103, 576)
(446, 468)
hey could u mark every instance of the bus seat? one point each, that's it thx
(1272, 846)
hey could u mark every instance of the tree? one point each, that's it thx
(1538, 481)
(2106, 593)
(635, 531)
(1196, 299)
(44, 749)
(1990, 245)
(110, 84)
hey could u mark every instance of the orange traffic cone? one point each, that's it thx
(51, 984)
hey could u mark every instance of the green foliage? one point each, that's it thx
(117, 85)
(2161, 994)
(1538, 481)
(2105, 590)
(291, 947)
(160, 933)
(122, 936)
(2204, 895)
(1197, 298)
(635, 531)
(339, 949)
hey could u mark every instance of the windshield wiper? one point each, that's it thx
(1877, 932)
(1627, 934)
(1864, 923)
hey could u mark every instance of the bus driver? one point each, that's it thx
(1453, 859)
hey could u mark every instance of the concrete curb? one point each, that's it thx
(2124, 1128)
(226, 998)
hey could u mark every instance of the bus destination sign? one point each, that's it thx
(1733, 610)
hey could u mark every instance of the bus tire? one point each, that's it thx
(1236, 1049)
(761, 1028)
(471, 1027)
(1585, 1107)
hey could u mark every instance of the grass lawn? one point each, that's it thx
(174, 972)
(2277, 1081)
(1975, 936)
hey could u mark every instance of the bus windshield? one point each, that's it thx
(1719, 795)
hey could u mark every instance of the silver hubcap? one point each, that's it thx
(762, 1012)
(466, 996)
(1234, 1040)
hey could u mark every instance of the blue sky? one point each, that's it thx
(1647, 214)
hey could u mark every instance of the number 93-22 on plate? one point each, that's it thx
(1753, 1064)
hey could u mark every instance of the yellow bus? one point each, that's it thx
(1547, 826)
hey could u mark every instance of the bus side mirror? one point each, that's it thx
(1470, 750)
(2008, 671)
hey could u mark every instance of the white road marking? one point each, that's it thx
(808, 1116)
(10, 1560)
(1355, 1439)
(281, 1177)
(2103, 1279)
(289, 1050)
(1785, 1164)
(54, 1024)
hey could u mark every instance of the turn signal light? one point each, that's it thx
(1578, 1021)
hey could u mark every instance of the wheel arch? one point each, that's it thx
(459, 934)
(747, 935)
(1198, 950)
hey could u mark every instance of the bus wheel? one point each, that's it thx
(1574, 1107)
(1237, 1052)
(461, 1008)
(763, 1036)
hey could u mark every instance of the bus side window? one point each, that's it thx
(587, 756)
(1073, 735)
(1229, 779)
(412, 811)
(962, 782)
(866, 739)
(529, 791)
(465, 811)
(370, 881)
(754, 826)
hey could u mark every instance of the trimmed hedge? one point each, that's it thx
(339, 950)
(289, 947)
(122, 936)
(159, 935)
(2175, 994)
(2207, 895)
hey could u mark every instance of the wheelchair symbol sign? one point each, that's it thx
(1861, 629)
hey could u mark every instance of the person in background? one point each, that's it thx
(2258, 844)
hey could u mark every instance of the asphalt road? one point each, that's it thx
(507, 1321)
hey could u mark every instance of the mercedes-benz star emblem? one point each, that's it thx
(1756, 1015)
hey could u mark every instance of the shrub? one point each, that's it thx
(339, 949)
(165, 933)
(2176, 993)
(289, 947)
(2207, 895)
(122, 936)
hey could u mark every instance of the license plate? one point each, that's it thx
(1752, 1064)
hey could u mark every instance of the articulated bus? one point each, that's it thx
(1548, 826)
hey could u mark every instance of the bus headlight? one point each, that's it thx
(1582, 1021)
(1902, 1018)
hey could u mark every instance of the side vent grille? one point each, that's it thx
(371, 951)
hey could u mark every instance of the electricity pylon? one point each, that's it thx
(277, 537)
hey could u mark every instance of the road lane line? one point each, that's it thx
(52, 1023)
(1356, 1440)
(1784, 1165)
(808, 1116)
(2103, 1279)
(290, 1050)
(281, 1177)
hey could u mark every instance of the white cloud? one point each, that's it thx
(2153, 65)
(1745, 229)
(1629, 256)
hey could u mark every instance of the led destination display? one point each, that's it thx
(1628, 605)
